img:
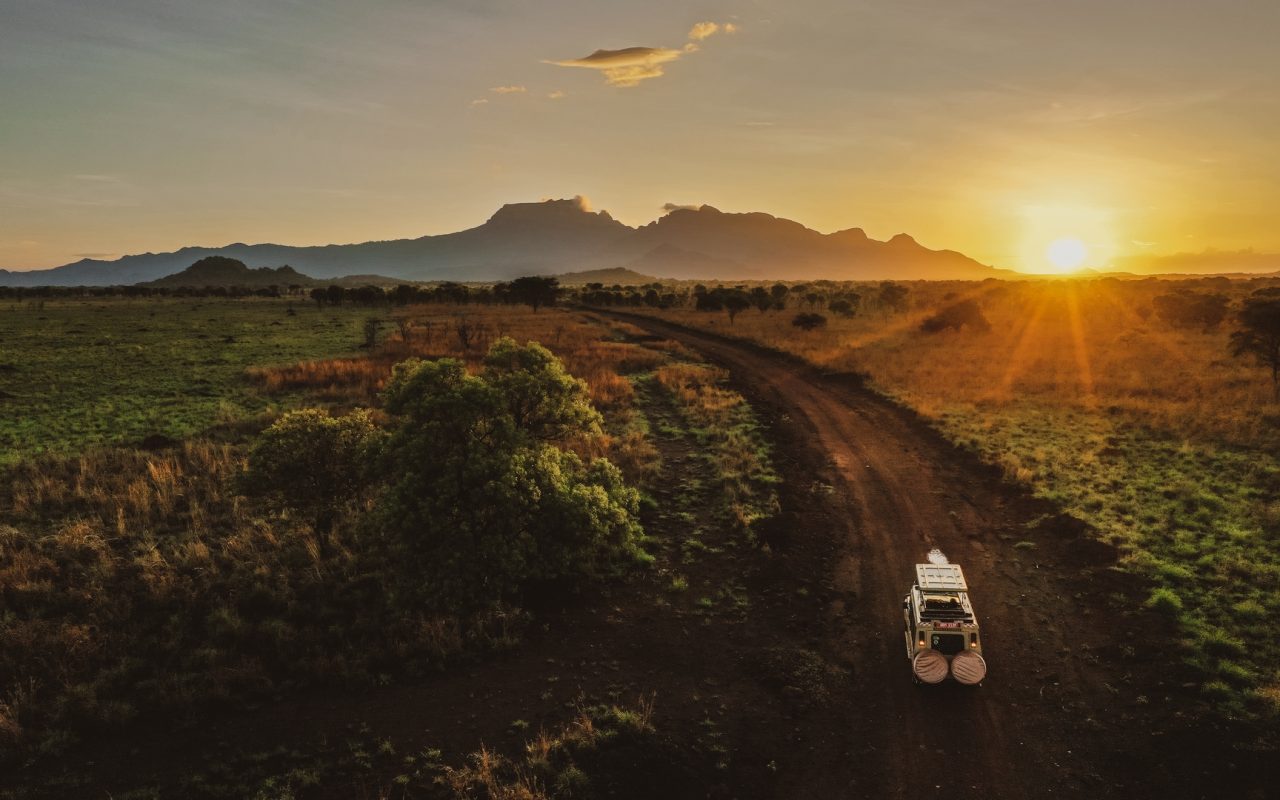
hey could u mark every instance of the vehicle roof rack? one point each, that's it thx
(941, 577)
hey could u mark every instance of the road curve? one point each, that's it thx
(1042, 724)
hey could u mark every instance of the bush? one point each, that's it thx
(846, 306)
(965, 314)
(312, 463)
(1188, 309)
(481, 501)
(1166, 601)
(809, 322)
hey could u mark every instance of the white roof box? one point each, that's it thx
(941, 577)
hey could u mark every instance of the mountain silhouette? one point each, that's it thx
(223, 271)
(558, 236)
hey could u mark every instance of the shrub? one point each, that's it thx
(1217, 642)
(1259, 335)
(846, 306)
(1166, 601)
(965, 314)
(312, 463)
(809, 321)
(481, 501)
(1188, 309)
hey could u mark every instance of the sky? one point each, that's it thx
(993, 127)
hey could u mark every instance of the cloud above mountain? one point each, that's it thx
(626, 67)
(630, 66)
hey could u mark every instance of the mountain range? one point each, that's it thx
(558, 236)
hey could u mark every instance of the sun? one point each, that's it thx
(1067, 253)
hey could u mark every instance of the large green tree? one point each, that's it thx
(482, 500)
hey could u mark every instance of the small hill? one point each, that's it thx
(231, 272)
(620, 276)
(228, 272)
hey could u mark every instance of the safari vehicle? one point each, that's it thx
(940, 627)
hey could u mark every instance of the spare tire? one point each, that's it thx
(930, 666)
(968, 667)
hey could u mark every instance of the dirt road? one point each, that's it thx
(1079, 701)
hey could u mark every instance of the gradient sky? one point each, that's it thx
(987, 126)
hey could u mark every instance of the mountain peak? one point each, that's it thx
(851, 235)
(573, 210)
(904, 240)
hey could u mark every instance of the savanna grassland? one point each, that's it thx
(1095, 393)
(82, 373)
(148, 589)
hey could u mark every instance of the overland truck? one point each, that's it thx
(941, 629)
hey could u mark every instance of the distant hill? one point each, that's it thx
(609, 277)
(223, 271)
(562, 236)
(229, 272)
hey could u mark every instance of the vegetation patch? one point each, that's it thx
(726, 426)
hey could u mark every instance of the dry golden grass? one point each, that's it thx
(1089, 345)
(132, 579)
(585, 345)
(552, 763)
(1154, 434)
(588, 345)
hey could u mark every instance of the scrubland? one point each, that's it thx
(142, 581)
(1154, 433)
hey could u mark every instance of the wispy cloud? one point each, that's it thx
(508, 90)
(555, 95)
(632, 65)
(480, 101)
(626, 67)
(705, 30)
(93, 178)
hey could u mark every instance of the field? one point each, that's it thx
(168, 631)
(77, 374)
(142, 589)
(1152, 433)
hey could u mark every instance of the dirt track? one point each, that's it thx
(1076, 703)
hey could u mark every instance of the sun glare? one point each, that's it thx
(1067, 254)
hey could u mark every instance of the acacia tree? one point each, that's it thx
(779, 293)
(535, 291)
(1259, 335)
(893, 296)
(313, 464)
(735, 302)
(481, 501)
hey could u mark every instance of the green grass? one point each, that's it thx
(75, 374)
(1199, 521)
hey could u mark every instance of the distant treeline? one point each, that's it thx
(533, 291)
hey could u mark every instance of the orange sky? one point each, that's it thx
(988, 126)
